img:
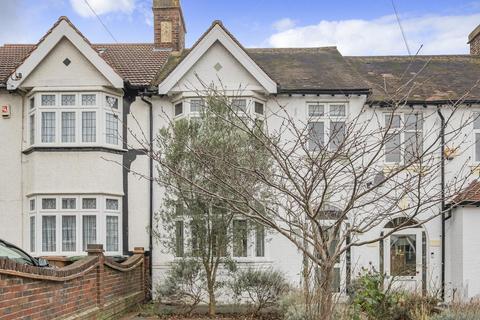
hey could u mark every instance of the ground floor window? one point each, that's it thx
(66, 225)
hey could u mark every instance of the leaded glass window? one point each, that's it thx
(89, 99)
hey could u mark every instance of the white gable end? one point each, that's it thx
(201, 60)
(52, 72)
(219, 68)
(63, 31)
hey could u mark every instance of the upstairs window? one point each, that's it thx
(68, 99)
(89, 99)
(476, 130)
(239, 105)
(326, 124)
(48, 99)
(48, 127)
(196, 105)
(259, 108)
(404, 138)
(178, 109)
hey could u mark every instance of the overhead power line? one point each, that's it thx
(401, 27)
(103, 24)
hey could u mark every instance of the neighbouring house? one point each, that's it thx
(76, 117)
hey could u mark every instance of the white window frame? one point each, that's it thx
(100, 213)
(326, 119)
(475, 131)
(101, 109)
(401, 130)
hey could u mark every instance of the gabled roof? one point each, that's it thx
(216, 33)
(63, 28)
(421, 78)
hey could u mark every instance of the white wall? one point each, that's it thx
(10, 176)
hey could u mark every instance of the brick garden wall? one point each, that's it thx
(94, 287)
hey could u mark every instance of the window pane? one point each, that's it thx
(112, 233)
(240, 238)
(403, 256)
(49, 234)
(337, 134)
(178, 109)
(239, 105)
(395, 121)
(316, 135)
(260, 240)
(89, 231)
(196, 105)
(259, 107)
(69, 203)
(337, 110)
(89, 126)
(413, 145)
(69, 233)
(392, 148)
(111, 128)
(32, 234)
(111, 102)
(68, 99)
(48, 127)
(413, 122)
(89, 99)
(32, 103)
(179, 239)
(476, 120)
(48, 99)
(89, 203)
(32, 129)
(49, 204)
(32, 204)
(316, 110)
(336, 280)
(68, 126)
(112, 204)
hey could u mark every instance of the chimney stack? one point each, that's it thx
(474, 41)
(169, 25)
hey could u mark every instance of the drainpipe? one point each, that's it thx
(150, 153)
(442, 186)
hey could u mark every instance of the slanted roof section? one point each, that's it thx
(63, 28)
(421, 78)
(216, 33)
(137, 63)
(470, 194)
(309, 69)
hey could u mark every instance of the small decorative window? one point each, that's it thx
(259, 107)
(49, 203)
(111, 102)
(178, 109)
(112, 204)
(48, 99)
(32, 204)
(316, 110)
(32, 102)
(89, 99)
(89, 203)
(68, 99)
(69, 203)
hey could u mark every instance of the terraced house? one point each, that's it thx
(76, 117)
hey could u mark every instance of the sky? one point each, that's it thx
(356, 27)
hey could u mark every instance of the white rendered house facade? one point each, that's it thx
(77, 117)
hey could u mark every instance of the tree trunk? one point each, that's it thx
(212, 304)
(327, 306)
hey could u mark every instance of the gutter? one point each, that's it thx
(150, 152)
(442, 186)
(359, 91)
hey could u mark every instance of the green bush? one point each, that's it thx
(292, 306)
(262, 288)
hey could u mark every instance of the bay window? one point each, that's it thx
(242, 105)
(476, 131)
(67, 224)
(73, 119)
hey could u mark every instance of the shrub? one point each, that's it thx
(262, 288)
(375, 302)
(184, 285)
(292, 306)
(469, 311)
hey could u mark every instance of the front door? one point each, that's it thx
(403, 259)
